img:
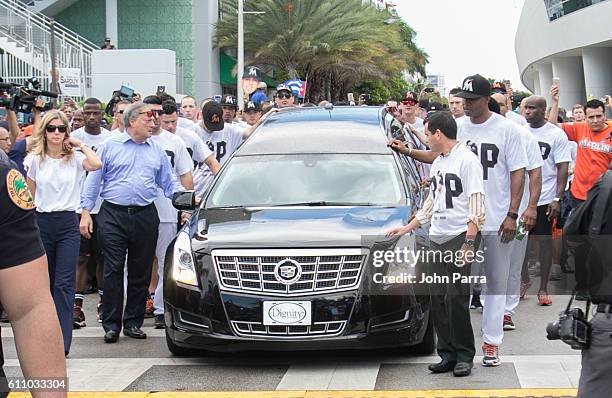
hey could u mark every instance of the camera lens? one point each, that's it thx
(552, 331)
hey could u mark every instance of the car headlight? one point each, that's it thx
(183, 266)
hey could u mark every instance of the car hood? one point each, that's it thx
(296, 227)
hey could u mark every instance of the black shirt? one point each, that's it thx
(598, 263)
(19, 236)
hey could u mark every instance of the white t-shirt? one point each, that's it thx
(195, 146)
(500, 152)
(555, 149)
(181, 164)
(58, 182)
(185, 123)
(515, 117)
(116, 131)
(93, 141)
(534, 160)
(455, 178)
(223, 144)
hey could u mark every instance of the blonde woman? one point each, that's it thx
(55, 176)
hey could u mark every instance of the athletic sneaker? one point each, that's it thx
(556, 273)
(99, 309)
(475, 302)
(149, 308)
(508, 324)
(544, 299)
(78, 317)
(490, 355)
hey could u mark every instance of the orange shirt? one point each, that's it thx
(593, 155)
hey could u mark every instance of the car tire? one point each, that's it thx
(178, 351)
(428, 344)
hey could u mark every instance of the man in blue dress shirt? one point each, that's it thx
(133, 167)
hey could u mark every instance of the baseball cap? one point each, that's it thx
(435, 106)
(262, 85)
(251, 72)
(499, 87)
(410, 96)
(212, 116)
(229, 100)
(283, 87)
(473, 87)
(252, 107)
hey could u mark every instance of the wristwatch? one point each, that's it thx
(558, 200)
(470, 242)
(512, 215)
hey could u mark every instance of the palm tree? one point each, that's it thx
(329, 42)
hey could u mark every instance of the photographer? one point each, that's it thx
(593, 220)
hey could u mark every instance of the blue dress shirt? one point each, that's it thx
(130, 173)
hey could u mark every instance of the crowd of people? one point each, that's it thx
(101, 191)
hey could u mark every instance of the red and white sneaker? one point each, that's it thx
(490, 355)
(149, 308)
(508, 324)
(78, 317)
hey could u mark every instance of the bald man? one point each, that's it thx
(556, 154)
(502, 100)
(5, 141)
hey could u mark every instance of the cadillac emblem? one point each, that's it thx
(288, 271)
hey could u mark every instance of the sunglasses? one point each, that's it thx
(157, 112)
(285, 96)
(61, 128)
(409, 102)
(120, 112)
(148, 113)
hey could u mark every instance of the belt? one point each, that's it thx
(605, 308)
(127, 209)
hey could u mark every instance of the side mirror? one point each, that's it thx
(184, 200)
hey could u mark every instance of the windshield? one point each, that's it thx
(308, 179)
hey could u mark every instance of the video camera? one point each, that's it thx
(572, 328)
(23, 98)
(124, 93)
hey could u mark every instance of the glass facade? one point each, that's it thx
(558, 8)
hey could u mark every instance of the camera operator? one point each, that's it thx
(593, 220)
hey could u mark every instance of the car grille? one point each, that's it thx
(317, 329)
(322, 270)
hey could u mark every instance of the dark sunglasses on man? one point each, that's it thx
(284, 95)
(409, 102)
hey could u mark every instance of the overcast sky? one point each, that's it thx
(464, 37)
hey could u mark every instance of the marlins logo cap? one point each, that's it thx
(252, 107)
(229, 100)
(474, 87)
(212, 116)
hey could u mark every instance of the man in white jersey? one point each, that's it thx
(189, 112)
(182, 167)
(493, 139)
(200, 154)
(556, 154)
(93, 135)
(527, 211)
(455, 207)
(220, 137)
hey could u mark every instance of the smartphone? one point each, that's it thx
(350, 97)
(161, 90)
(126, 91)
(556, 82)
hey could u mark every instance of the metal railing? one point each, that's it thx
(32, 32)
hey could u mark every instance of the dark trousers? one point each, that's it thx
(134, 233)
(60, 235)
(595, 380)
(450, 304)
(580, 256)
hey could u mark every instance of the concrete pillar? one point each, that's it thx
(545, 73)
(597, 63)
(570, 72)
(206, 79)
(537, 89)
(112, 29)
